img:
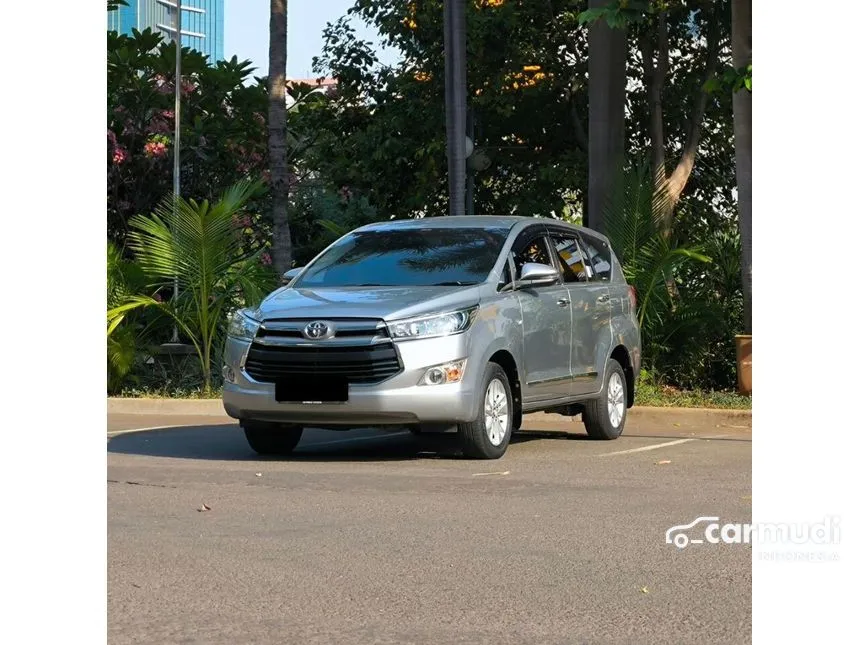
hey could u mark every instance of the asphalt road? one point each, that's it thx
(364, 537)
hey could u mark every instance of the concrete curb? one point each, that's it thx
(184, 407)
(213, 407)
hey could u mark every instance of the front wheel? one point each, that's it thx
(604, 416)
(272, 439)
(488, 436)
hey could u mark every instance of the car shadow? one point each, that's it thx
(525, 435)
(227, 443)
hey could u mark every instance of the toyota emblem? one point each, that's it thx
(317, 330)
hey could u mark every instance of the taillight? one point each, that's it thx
(632, 291)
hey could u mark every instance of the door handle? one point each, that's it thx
(562, 302)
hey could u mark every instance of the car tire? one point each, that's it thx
(604, 416)
(272, 439)
(488, 436)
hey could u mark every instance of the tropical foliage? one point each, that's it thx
(124, 279)
(200, 247)
(374, 149)
(689, 295)
(223, 125)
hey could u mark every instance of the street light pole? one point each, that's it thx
(470, 171)
(177, 38)
(455, 103)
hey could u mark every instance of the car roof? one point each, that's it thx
(508, 222)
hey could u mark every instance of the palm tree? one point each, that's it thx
(742, 107)
(282, 245)
(198, 244)
(651, 259)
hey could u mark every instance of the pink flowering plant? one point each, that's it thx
(223, 126)
(156, 146)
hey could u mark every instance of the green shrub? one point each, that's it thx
(688, 291)
(201, 247)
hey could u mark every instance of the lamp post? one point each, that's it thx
(455, 103)
(470, 170)
(177, 38)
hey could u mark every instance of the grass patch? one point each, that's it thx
(169, 393)
(648, 394)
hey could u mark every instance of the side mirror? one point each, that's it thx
(534, 274)
(292, 273)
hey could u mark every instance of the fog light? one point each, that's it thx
(440, 374)
(228, 374)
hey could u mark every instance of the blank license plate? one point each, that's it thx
(330, 390)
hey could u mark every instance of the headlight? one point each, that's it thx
(431, 326)
(243, 325)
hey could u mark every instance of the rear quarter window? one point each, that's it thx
(600, 257)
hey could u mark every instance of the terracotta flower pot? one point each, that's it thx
(743, 349)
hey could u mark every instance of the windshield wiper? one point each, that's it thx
(452, 283)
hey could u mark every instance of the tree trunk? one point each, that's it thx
(742, 107)
(607, 87)
(279, 186)
(655, 78)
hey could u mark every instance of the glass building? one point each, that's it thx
(202, 22)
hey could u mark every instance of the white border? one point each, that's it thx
(53, 475)
(806, 246)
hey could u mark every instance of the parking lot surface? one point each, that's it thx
(369, 537)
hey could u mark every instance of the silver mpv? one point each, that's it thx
(439, 324)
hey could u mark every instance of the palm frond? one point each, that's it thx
(333, 227)
(649, 257)
(196, 245)
(121, 350)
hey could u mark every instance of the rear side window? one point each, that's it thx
(573, 263)
(600, 256)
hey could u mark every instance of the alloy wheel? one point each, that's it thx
(615, 400)
(496, 412)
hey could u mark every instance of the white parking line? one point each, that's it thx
(116, 433)
(644, 448)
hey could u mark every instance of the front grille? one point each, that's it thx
(361, 364)
(343, 328)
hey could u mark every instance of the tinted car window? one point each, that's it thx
(407, 257)
(600, 256)
(574, 265)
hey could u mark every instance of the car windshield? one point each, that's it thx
(408, 257)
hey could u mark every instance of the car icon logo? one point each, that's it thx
(317, 330)
(677, 534)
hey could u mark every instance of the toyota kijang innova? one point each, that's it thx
(448, 323)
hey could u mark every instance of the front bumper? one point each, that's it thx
(398, 400)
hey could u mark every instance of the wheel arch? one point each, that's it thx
(622, 356)
(504, 359)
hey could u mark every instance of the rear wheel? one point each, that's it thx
(488, 436)
(604, 416)
(272, 439)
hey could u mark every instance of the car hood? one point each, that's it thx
(387, 303)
